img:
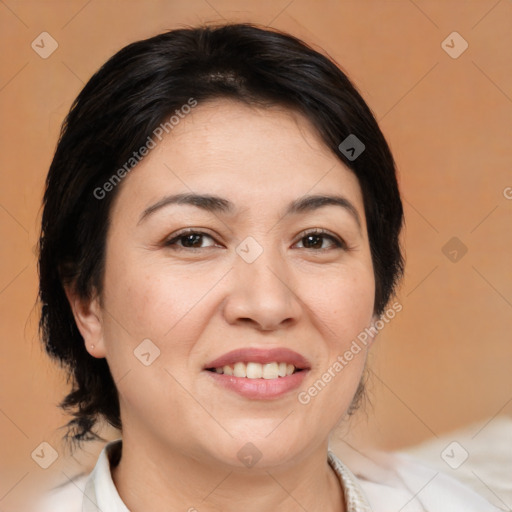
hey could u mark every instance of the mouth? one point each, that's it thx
(259, 374)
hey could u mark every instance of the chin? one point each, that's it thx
(259, 449)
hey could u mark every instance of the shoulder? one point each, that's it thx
(395, 481)
(87, 491)
(432, 490)
(67, 497)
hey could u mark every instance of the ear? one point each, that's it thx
(88, 318)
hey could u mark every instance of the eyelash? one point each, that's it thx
(338, 243)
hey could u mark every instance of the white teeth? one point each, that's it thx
(271, 371)
(257, 371)
(239, 370)
(254, 371)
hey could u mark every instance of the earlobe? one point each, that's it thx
(88, 318)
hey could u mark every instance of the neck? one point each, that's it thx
(156, 478)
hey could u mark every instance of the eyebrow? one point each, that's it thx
(216, 204)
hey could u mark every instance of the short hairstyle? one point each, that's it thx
(123, 104)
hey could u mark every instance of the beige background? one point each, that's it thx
(445, 360)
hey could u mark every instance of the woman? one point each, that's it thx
(221, 223)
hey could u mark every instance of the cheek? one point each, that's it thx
(141, 294)
(343, 304)
(343, 308)
(155, 301)
(150, 303)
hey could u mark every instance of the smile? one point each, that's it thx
(259, 374)
(253, 370)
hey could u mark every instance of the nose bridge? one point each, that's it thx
(261, 266)
(262, 289)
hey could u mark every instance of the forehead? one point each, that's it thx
(252, 156)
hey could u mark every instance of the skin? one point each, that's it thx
(181, 432)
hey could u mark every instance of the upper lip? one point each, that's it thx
(262, 356)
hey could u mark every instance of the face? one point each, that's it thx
(217, 317)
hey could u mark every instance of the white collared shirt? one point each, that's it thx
(408, 487)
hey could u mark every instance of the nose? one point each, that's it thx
(262, 294)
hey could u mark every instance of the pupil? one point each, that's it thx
(191, 240)
(313, 237)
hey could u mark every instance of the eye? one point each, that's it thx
(189, 240)
(314, 239)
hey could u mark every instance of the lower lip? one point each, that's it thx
(260, 389)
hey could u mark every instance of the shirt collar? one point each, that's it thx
(100, 494)
(355, 499)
